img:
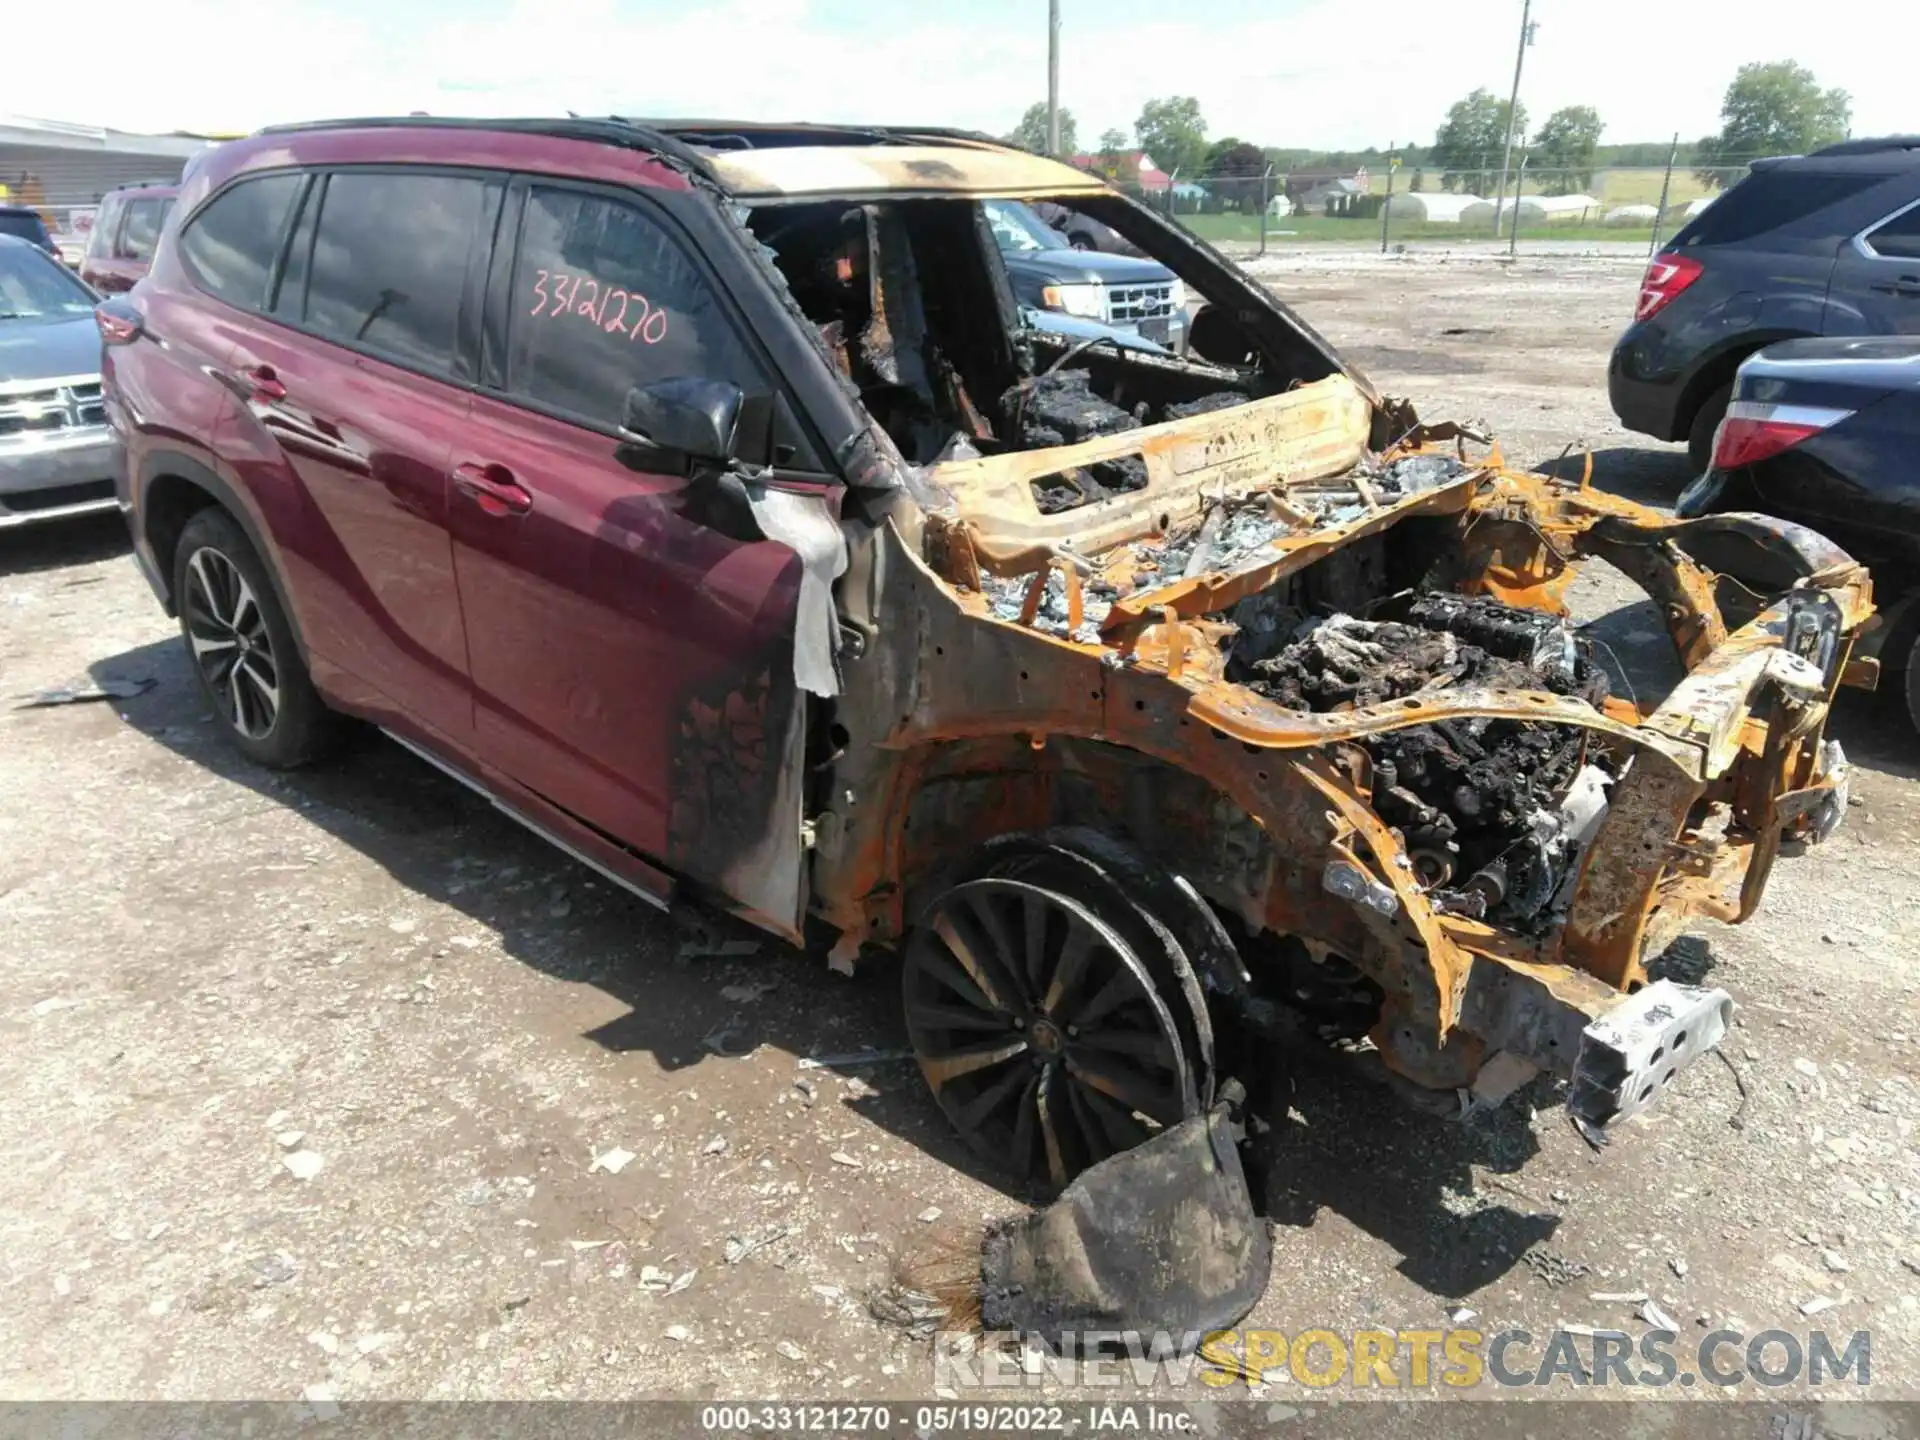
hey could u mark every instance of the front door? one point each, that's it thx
(629, 663)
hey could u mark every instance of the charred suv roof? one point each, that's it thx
(766, 162)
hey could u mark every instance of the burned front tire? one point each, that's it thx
(240, 644)
(1041, 1029)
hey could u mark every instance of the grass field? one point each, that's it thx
(1297, 229)
(1611, 187)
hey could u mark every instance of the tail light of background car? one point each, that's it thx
(1753, 432)
(1667, 275)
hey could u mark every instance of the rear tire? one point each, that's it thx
(241, 647)
(1913, 684)
(1706, 420)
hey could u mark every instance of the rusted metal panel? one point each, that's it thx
(1005, 702)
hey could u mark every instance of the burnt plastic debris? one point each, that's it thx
(1062, 409)
(1163, 1237)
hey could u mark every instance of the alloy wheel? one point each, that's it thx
(1040, 1030)
(231, 643)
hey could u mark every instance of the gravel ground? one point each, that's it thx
(321, 1084)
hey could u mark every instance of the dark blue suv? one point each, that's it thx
(1820, 244)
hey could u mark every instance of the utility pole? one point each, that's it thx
(1527, 27)
(1053, 77)
(1666, 186)
(1386, 205)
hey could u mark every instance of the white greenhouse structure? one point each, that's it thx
(1558, 210)
(1435, 208)
(1639, 216)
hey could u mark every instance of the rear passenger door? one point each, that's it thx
(630, 664)
(354, 381)
(1876, 281)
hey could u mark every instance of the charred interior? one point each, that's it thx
(912, 304)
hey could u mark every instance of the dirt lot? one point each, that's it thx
(210, 972)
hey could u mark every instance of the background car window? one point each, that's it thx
(389, 263)
(1767, 200)
(34, 286)
(230, 246)
(100, 239)
(142, 230)
(1899, 238)
(604, 299)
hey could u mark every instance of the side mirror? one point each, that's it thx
(694, 419)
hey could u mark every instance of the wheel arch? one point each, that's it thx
(1717, 369)
(173, 488)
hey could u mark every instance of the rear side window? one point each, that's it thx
(100, 238)
(603, 299)
(142, 230)
(1767, 200)
(230, 246)
(389, 263)
(1899, 238)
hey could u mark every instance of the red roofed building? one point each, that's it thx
(1126, 167)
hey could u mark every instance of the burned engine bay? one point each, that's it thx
(1292, 646)
(1494, 813)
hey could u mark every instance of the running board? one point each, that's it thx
(661, 897)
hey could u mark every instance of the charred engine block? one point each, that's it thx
(1494, 813)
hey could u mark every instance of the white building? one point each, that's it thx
(1558, 210)
(1638, 216)
(63, 169)
(1433, 207)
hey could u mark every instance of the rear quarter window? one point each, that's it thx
(1767, 200)
(230, 247)
(1898, 238)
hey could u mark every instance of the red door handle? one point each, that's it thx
(264, 383)
(492, 488)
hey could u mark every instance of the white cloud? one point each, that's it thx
(1326, 74)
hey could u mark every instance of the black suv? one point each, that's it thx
(1820, 244)
(25, 222)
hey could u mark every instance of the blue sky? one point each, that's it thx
(1284, 72)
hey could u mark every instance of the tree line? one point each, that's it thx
(1770, 108)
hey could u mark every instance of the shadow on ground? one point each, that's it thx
(448, 845)
(1352, 1146)
(1650, 474)
(1363, 1154)
(27, 549)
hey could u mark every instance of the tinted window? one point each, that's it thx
(231, 245)
(389, 263)
(1765, 201)
(142, 230)
(1899, 238)
(605, 299)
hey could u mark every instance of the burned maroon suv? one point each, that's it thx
(702, 496)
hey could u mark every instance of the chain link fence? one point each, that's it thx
(1394, 205)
